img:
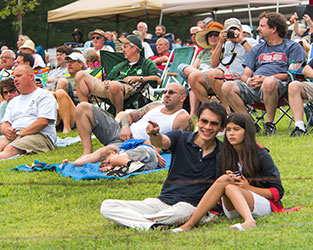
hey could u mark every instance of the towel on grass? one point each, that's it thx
(89, 171)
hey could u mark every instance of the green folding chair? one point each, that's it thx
(137, 100)
(185, 55)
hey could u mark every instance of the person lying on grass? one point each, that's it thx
(114, 158)
(250, 185)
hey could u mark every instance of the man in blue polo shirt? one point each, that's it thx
(192, 172)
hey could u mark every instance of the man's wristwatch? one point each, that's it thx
(243, 42)
(18, 133)
(140, 79)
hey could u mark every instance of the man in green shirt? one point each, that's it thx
(122, 79)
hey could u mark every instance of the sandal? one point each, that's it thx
(135, 166)
(120, 172)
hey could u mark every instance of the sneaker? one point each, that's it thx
(269, 128)
(297, 132)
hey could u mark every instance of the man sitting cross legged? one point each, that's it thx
(170, 115)
(192, 172)
(123, 77)
(28, 125)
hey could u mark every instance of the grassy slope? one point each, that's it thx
(43, 210)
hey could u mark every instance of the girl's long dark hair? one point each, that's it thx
(249, 153)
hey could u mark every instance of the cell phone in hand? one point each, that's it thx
(237, 173)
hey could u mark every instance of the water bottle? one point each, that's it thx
(293, 69)
(227, 74)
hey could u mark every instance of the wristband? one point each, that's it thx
(248, 80)
(243, 42)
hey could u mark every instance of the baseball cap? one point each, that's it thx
(77, 57)
(232, 22)
(132, 39)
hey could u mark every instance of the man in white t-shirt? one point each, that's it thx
(28, 125)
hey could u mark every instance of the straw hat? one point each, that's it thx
(96, 31)
(28, 44)
(201, 36)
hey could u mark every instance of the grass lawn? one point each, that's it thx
(42, 210)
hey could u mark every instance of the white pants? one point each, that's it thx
(143, 214)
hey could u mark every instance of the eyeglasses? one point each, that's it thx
(12, 91)
(204, 122)
(170, 92)
(5, 57)
(213, 34)
(96, 37)
(71, 61)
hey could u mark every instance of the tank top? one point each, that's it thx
(138, 129)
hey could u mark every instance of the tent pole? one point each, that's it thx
(47, 35)
(161, 17)
(250, 17)
(277, 8)
(118, 23)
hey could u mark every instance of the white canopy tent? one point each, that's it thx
(200, 6)
(100, 10)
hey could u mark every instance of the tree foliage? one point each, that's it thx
(14, 8)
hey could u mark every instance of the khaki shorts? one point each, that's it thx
(36, 143)
(308, 87)
(101, 91)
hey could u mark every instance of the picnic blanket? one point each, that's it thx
(89, 171)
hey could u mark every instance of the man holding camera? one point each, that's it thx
(231, 50)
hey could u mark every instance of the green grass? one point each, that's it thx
(42, 210)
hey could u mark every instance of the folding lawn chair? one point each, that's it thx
(170, 74)
(137, 100)
(282, 106)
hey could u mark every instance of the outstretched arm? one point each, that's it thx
(156, 139)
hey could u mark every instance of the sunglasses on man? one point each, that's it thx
(170, 92)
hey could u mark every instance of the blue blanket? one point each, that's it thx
(88, 171)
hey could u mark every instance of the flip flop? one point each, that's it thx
(177, 230)
(237, 227)
(120, 172)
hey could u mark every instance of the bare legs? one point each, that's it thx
(296, 93)
(85, 121)
(7, 151)
(233, 198)
(66, 109)
(270, 96)
(85, 83)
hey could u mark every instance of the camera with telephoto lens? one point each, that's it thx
(231, 34)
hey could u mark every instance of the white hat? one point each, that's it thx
(77, 57)
(232, 22)
(28, 44)
(247, 29)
